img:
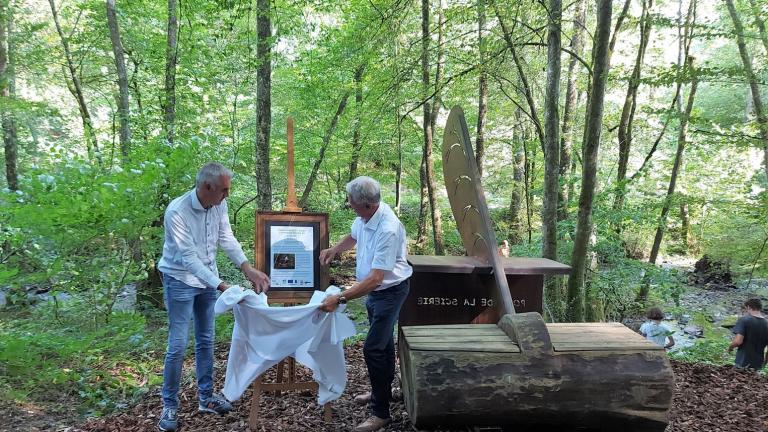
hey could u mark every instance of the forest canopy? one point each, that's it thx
(607, 134)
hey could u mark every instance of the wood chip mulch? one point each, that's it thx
(707, 398)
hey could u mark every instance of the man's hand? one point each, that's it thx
(326, 256)
(330, 303)
(223, 286)
(259, 280)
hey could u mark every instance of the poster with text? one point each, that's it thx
(291, 256)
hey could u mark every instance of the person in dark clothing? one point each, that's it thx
(751, 336)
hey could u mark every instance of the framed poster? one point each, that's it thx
(288, 249)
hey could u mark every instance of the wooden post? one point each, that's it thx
(291, 205)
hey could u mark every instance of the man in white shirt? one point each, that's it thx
(196, 226)
(383, 274)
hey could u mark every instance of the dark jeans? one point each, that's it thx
(379, 349)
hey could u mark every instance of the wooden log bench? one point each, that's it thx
(522, 371)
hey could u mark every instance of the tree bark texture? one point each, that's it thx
(76, 89)
(482, 92)
(421, 233)
(356, 143)
(551, 133)
(628, 110)
(8, 92)
(571, 96)
(437, 233)
(591, 143)
(757, 102)
(526, 374)
(520, 187)
(552, 284)
(123, 107)
(323, 148)
(264, 104)
(171, 58)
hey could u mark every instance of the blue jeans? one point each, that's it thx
(184, 302)
(379, 349)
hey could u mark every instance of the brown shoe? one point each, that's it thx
(363, 398)
(373, 424)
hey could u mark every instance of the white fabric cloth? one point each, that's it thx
(381, 244)
(264, 335)
(656, 332)
(193, 234)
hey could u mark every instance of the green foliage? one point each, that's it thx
(103, 367)
(83, 230)
(712, 349)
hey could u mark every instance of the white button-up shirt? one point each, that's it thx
(193, 235)
(381, 244)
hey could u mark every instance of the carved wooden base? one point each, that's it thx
(523, 372)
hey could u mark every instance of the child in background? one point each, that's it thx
(655, 331)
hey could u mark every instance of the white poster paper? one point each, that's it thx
(291, 260)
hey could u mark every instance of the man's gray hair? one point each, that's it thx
(210, 174)
(364, 190)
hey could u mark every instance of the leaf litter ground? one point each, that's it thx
(707, 398)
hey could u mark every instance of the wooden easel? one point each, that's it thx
(285, 382)
(282, 383)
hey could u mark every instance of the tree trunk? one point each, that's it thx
(525, 85)
(552, 286)
(628, 110)
(592, 131)
(264, 105)
(356, 144)
(482, 99)
(399, 120)
(594, 305)
(762, 120)
(171, 58)
(7, 92)
(518, 194)
(617, 28)
(437, 233)
(571, 96)
(323, 148)
(682, 136)
(551, 134)
(684, 45)
(137, 96)
(399, 169)
(530, 170)
(421, 233)
(123, 107)
(519, 187)
(759, 23)
(685, 227)
(77, 91)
